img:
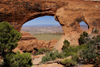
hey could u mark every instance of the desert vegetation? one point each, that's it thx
(8, 41)
(87, 52)
(47, 37)
(46, 33)
(42, 51)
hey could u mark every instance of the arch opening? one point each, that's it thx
(84, 26)
(43, 28)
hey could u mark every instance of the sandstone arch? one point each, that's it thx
(67, 13)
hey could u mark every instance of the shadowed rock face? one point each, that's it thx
(17, 12)
(68, 13)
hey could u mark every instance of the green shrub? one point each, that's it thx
(8, 37)
(69, 62)
(96, 40)
(89, 53)
(96, 31)
(45, 58)
(8, 41)
(18, 60)
(71, 50)
(42, 51)
(85, 34)
(82, 38)
(66, 44)
(75, 57)
(52, 56)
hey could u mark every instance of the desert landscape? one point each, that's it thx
(47, 33)
(47, 29)
(42, 29)
(68, 45)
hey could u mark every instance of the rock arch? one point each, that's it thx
(67, 13)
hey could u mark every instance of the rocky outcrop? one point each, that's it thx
(26, 36)
(17, 50)
(52, 43)
(46, 44)
(37, 59)
(28, 43)
(40, 43)
(69, 13)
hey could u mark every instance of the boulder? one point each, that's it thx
(17, 50)
(46, 44)
(52, 43)
(40, 43)
(26, 36)
(37, 59)
(27, 42)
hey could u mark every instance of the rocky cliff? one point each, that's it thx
(69, 13)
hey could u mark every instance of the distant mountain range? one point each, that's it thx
(40, 25)
(47, 25)
(46, 29)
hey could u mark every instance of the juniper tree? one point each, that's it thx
(8, 41)
(8, 37)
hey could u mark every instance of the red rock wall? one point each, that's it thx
(72, 14)
(67, 12)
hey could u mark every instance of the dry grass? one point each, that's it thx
(47, 37)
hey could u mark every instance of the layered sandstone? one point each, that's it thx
(69, 13)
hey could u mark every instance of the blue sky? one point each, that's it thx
(44, 21)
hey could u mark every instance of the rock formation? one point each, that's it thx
(28, 43)
(69, 13)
